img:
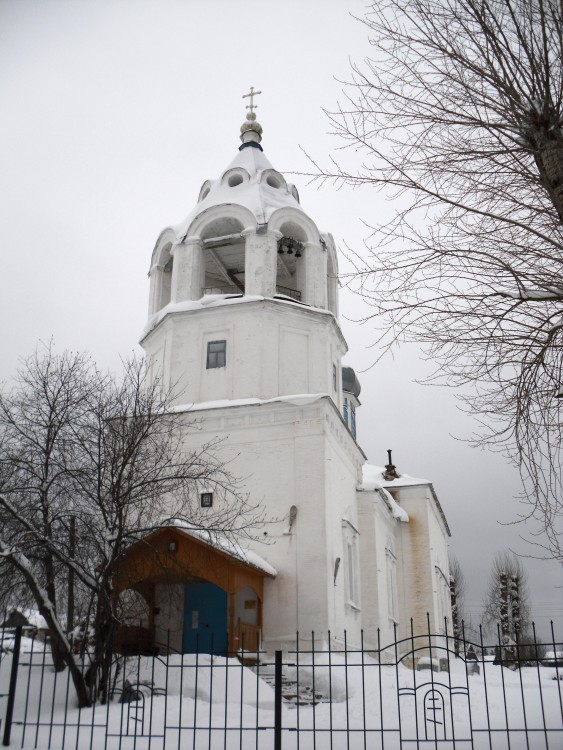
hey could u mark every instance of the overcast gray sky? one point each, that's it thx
(112, 115)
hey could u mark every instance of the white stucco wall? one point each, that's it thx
(379, 532)
(293, 455)
(273, 348)
(424, 543)
(342, 469)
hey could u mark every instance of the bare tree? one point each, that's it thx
(459, 113)
(89, 464)
(36, 429)
(457, 595)
(506, 604)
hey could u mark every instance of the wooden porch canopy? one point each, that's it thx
(175, 555)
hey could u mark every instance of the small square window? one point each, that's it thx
(206, 499)
(216, 354)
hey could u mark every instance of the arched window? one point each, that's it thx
(224, 256)
(350, 541)
(391, 574)
(290, 273)
(161, 277)
(442, 594)
(332, 280)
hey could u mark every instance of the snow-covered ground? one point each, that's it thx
(359, 700)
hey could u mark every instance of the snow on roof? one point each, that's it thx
(373, 479)
(255, 194)
(221, 542)
(299, 399)
(217, 300)
(396, 510)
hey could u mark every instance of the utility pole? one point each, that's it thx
(70, 593)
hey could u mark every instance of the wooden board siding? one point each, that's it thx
(150, 562)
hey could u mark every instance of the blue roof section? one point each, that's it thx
(350, 382)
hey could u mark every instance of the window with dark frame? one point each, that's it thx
(216, 354)
(206, 499)
(334, 378)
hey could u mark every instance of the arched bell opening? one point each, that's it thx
(161, 279)
(332, 280)
(224, 257)
(290, 271)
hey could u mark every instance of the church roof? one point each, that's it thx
(249, 181)
(373, 480)
(350, 382)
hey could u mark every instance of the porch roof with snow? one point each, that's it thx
(177, 552)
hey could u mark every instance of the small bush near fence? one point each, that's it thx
(424, 691)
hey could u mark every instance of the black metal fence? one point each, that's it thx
(425, 691)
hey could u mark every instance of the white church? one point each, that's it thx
(243, 324)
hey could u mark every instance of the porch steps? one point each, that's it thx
(293, 694)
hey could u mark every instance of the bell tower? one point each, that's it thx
(243, 292)
(243, 330)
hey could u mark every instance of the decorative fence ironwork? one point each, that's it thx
(425, 691)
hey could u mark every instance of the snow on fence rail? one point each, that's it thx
(426, 691)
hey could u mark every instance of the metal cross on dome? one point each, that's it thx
(252, 94)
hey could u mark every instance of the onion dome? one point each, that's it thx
(350, 382)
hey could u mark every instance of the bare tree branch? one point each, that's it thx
(459, 111)
(90, 464)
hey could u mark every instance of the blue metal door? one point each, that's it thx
(205, 618)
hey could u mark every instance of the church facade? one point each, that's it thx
(243, 325)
